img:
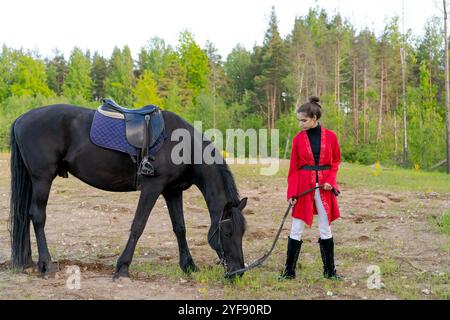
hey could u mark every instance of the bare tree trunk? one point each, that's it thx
(337, 80)
(273, 106)
(395, 139)
(315, 79)
(355, 102)
(214, 96)
(380, 108)
(447, 112)
(405, 141)
(268, 108)
(365, 103)
(300, 77)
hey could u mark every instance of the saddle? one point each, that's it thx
(143, 127)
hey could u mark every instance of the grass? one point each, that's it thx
(360, 176)
(443, 223)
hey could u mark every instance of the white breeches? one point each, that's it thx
(298, 226)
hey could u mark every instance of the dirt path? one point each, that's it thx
(88, 228)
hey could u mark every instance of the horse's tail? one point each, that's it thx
(19, 219)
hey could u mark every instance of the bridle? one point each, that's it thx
(223, 260)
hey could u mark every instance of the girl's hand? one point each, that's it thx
(292, 201)
(327, 186)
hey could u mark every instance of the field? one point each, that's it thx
(392, 219)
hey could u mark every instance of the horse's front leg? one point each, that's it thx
(147, 200)
(174, 202)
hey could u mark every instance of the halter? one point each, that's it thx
(223, 260)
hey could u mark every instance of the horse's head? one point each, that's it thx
(229, 234)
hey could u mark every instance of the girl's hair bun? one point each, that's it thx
(314, 99)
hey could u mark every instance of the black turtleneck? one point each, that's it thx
(314, 140)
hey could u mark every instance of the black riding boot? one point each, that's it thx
(327, 253)
(293, 251)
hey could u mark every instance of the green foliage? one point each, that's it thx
(56, 72)
(146, 91)
(194, 62)
(14, 106)
(29, 78)
(99, 72)
(78, 80)
(120, 80)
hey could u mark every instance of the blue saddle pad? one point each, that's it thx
(109, 133)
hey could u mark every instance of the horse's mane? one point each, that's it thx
(232, 194)
(229, 184)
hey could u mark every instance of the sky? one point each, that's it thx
(99, 25)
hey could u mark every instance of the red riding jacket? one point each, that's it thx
(302, 180)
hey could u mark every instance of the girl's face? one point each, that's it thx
(306, 122)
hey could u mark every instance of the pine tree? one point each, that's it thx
(56, 72)
(99, 72)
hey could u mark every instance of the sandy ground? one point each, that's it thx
(88, 228)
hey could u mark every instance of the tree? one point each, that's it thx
(238, 68)
(301, 57)
(194, 61)
(146, 91)
(155, 57)
(273, 58)
(29, 78)
(99, 73)
(217, 79)
(78, 81)
(8, 58)
(56, 72)
(173, 85)
(120, 80)
(447, 93)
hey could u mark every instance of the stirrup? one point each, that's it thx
(146, 168)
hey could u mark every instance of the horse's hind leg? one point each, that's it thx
(41, 190)
(174, 202)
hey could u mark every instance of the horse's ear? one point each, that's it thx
(242, 204)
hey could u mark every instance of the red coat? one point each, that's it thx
(302, 180)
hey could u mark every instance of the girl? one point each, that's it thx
(315, 159)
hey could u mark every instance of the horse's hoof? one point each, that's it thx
(121, 278)
(122, 273)
(190, 268)
(47, 268)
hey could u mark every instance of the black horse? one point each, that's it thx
(55, 140)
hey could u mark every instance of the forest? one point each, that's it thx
(356, 73)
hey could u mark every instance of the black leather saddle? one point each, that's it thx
(143, 128)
